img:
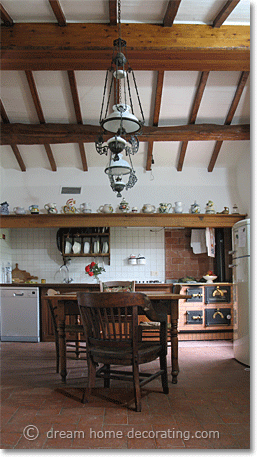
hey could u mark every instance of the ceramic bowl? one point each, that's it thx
(210, 278)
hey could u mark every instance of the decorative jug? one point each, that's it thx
(195, 208)
(34, 209)
(107, 208)
(178, 207)
(164, 208)
(148, 208)
(85, 208)
(51, 207)
(210, 207)
(69, 207)
(19, 210)
(124, 207)
(4, 210)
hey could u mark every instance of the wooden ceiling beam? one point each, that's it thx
(171, 13)
(37, 104)
(193, 115)
(113, 12)
(150, 47)
(240, 87)
(78, 114)
(15, 148)
(39, 134)
(58, 12)
(157, 105)
(6, 18)
(225, 12)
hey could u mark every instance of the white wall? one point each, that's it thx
(39, 186)
(36, 252)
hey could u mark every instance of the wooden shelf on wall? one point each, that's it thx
(120, 220)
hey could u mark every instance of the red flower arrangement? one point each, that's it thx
(94, 269)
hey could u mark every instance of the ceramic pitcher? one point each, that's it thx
(107, 208)
(148, 208)
(178, 207)
(51, 207)
(164, 208)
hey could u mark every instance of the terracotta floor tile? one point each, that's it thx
(212, 394)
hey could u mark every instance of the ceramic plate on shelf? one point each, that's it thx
(86, 247)
(96, 247)
(68, 247)
(105, 247)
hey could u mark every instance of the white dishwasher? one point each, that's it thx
(20, 314)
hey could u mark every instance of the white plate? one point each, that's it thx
(96, 247)
(68, 247)
(76, 247)
(86, 247)
(105, 247)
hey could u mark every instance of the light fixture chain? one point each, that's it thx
(139, 101)
(119, 17)
(103, 98)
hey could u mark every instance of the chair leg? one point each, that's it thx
(91, 380)
(137, 389)
(57, 353)
(164, 375)
(107, 379)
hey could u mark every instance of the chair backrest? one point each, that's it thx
(117, 286)
(110, 319)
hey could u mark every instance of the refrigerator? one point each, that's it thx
(241, 290)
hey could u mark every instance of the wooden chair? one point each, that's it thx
(150, 329)
(117, 286)
(73, 330)
(110, 323)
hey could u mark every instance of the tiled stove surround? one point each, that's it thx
(180, 259)
(36, 252)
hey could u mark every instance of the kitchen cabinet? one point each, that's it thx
(208, 314)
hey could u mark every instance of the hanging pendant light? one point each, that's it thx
(119, 117)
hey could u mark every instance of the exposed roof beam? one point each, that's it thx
(157, 106)
(40, 114)
(193, 115)
(231, 112)
(113, 12)
(78, 114)
(150, 47)
(58, 12)
(171, 12)
(149, 155)
(14, 147)
(38, 134)
(6, 18)
(225, 12)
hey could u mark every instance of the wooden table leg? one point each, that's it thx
(62, 342)
(174, 341)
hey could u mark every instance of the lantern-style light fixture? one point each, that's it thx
(118, 117)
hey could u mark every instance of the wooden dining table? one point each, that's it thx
(162, 302)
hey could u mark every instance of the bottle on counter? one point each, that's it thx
(8, 273)
(3, 276)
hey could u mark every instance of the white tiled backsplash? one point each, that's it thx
(35, 251)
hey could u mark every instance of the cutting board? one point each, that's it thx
(21, 276)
